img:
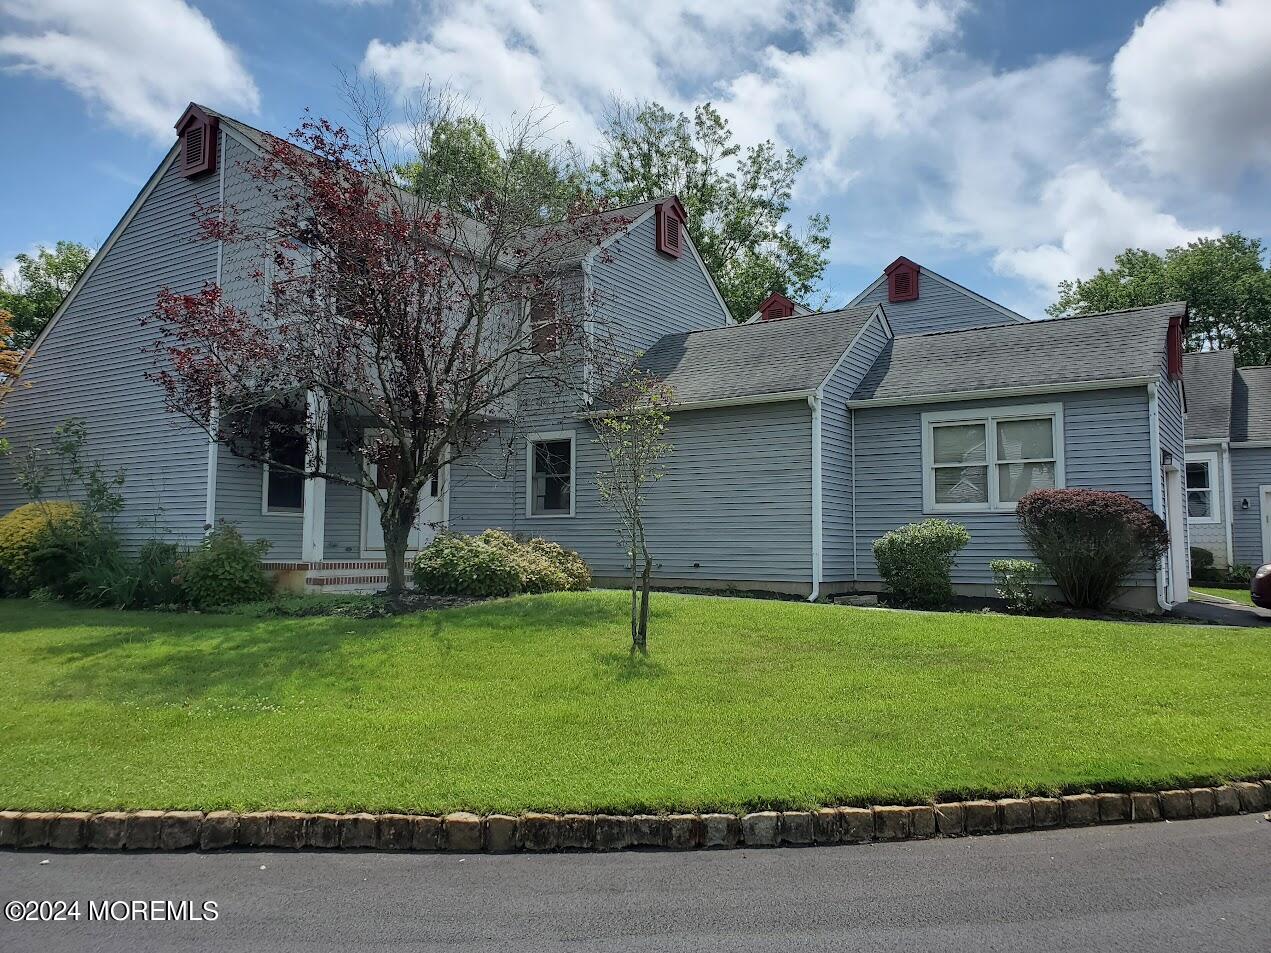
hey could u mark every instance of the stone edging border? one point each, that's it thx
(462, 832)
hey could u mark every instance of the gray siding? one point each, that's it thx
(92, 365)
(836, 454)
(735, 503)
(1250, 470)
(641, 295)
(1106, 446)
(937, 308)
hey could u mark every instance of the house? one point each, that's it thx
(799, 437)
(1228, 458)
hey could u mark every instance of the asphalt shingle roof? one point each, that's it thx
(1208, 381)
(1250, 404)
(1094, 347)
(754, 360)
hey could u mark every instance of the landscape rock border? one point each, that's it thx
(462, 832)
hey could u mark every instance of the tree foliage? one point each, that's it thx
(633, 436)
(377, 309)
(44, 280)
(1223, 280)
(736, 199)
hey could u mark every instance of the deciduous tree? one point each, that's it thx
(44, 280)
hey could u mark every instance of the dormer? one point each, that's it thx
(670, 227)
(902, 280)
(776, 306)
(197, 135)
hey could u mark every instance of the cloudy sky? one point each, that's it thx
(1007, 144)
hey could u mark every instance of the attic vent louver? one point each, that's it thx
(198, 133)
(670, 227)
(902, 280)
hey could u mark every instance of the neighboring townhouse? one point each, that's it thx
(799, 437)
(1229, 458)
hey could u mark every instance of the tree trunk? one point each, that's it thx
(397, 522)
(635, 602)
(643, 638)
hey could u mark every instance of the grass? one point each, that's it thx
(1235, 595)
(534, 703)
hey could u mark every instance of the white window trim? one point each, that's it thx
(1209, 458)
(989, 418)
(264, 498)
(541, 437)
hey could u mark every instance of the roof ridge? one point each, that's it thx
(1035, 321)
(772, 321)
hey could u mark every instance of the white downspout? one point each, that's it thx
(1228, 506)
(1154, 470)
(814, 401)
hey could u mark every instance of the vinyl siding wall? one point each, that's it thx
(92, 364)
(639, 294)
(1106, 447)
(937, 308)
(1250, 470)
(735, 503)
(836, 454)
(1169, 410)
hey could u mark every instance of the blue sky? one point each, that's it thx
(1006, 144)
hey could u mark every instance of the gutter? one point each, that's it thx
(776, 398)
(1225, 451)
(994, 392)
(814, 401)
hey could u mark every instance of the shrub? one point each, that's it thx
(225, 570)
(1016, 581)
(537, 572)
(81, 559)
(1203, 569)
(466, 566)
(23, 533)
(567, 562)
(916, 560)
(1091, 540)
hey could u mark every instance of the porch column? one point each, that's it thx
(313, 533)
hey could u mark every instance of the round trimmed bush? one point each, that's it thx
(537, 573)
(567, 562)
(225, 570)
(25, 532)
(917, 560)
(1090, 541)
(460, 565)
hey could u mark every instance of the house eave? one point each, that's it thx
(1025, 390)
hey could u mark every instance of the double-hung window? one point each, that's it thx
(549, 465)
(284, 488)
(986, 461)
(1202, 488)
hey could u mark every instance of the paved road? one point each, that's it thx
(1191, 885)
(1209, 608)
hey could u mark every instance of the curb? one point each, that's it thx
(462, 832)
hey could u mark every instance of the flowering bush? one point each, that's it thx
(1016, 581)
(496, 563)
(1090, 541)
(916, 561)
(23, 534)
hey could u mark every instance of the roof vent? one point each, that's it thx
(902, 280)
(670, 227)
(776, 306)
(198, 133)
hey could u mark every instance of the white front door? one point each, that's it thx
(1264, 499)
(431, 516)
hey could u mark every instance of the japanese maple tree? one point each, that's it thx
(367, 304)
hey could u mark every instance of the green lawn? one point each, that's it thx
(1235, 595)
(534, 703)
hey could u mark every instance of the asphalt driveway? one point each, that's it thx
(1189, 885)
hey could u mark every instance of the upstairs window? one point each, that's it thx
(986, 462)
(550, 474)
(544, 330)
(197, 132)
(670, 227)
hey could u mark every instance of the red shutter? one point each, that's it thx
(902, 280)
(543, 336)
(1174, 345)
(198, 133)
(669, 226)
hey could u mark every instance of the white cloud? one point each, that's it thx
(140, 61)
(914, 146)
(1191, 86)
(1095, 221)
